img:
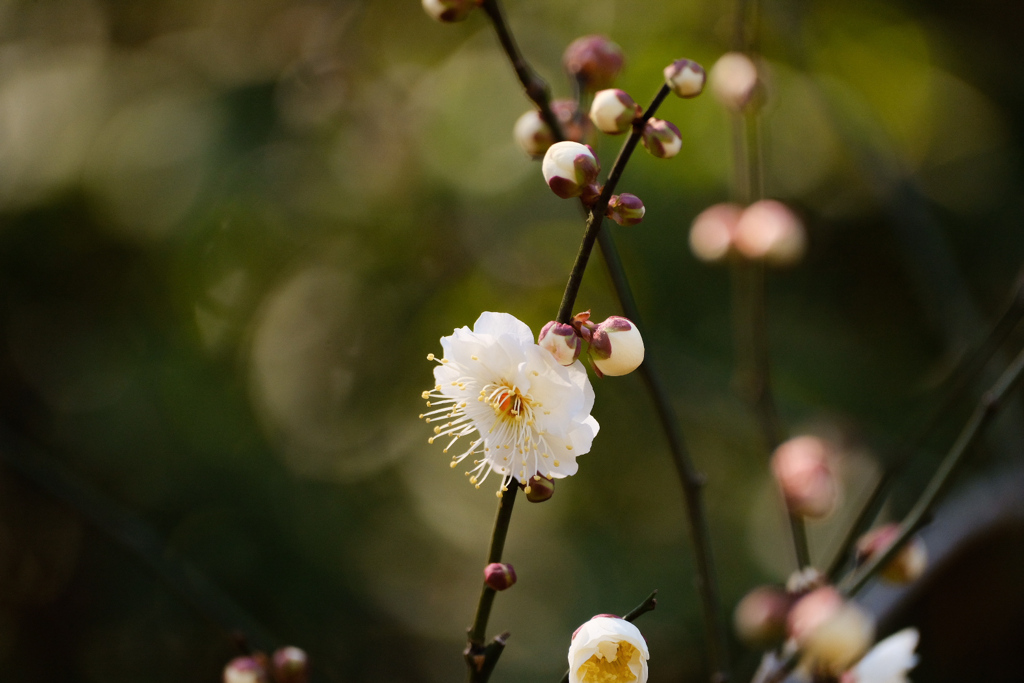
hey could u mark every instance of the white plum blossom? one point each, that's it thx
(570, 170)
(522, 412)
(616, 347)
(888, 661)
(562, 341)
(608, 649)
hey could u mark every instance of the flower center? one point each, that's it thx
(597, 669)
(508, 402)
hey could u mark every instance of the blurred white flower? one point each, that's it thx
(607, 649)
(888, 661)
(524, 413)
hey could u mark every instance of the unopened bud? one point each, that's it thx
(594, 61)
(538, 488)
(832, 634)
(532, 134)
(733, 80)
(801, 466)
(613, 111)
(448, 11)
(499, 576)
(616, 347)
(291, 665)
(712, 232)
(769, 230)
(574, 127)
(686, 77)
(662, 138)
(760, 617)
(562, 341)
(245, 670)
(570, 170)
(625, 209)
(909, 562)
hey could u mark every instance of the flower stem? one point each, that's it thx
(963, 376)
(481, 658)
(643, 608)
(595, 217)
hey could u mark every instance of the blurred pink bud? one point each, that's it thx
(686, 77)
(769, 230)
(662, 138)
(616, 347)
(570, 170)
(733, 80)
(908, 564)
(593, 60)
(713, 230)
(625, 209)
(538, 488)
(613, 111)
(760, 617)
(576, 128)
(448, 11)
(245, 670)
(499, 576)
(562, 341)
(290, 665)
(532, 134)
(832, 633)
(801, 466)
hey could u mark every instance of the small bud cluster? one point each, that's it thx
(909, 563)
(766, 231)
(287, 665)
(614, 346)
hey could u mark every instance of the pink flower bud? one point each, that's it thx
(593, 60)
(768, 230)
(712, 232)
(532, 134)
(570, 170)
(616, 347)
(245, 670)
(733, 80)
(538, 488)
(613, 111)
(575, 128)
(802, 469)
(291, 665)
(760, 617)
(562, 341)
(662, 138)
(499, 576)
(908, 564)
(686, 77)
(447, 11)
(832, 633)
(625, 209)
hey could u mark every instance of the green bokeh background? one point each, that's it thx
(230, 231)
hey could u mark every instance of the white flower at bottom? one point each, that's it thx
(521, 411)
(888, 661)
(608, 650)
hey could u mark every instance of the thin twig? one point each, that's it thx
(963, 376)
(596, 216)
(481, 658)
(691, 480)
(643, 608)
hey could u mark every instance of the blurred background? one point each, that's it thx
(231, 230)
